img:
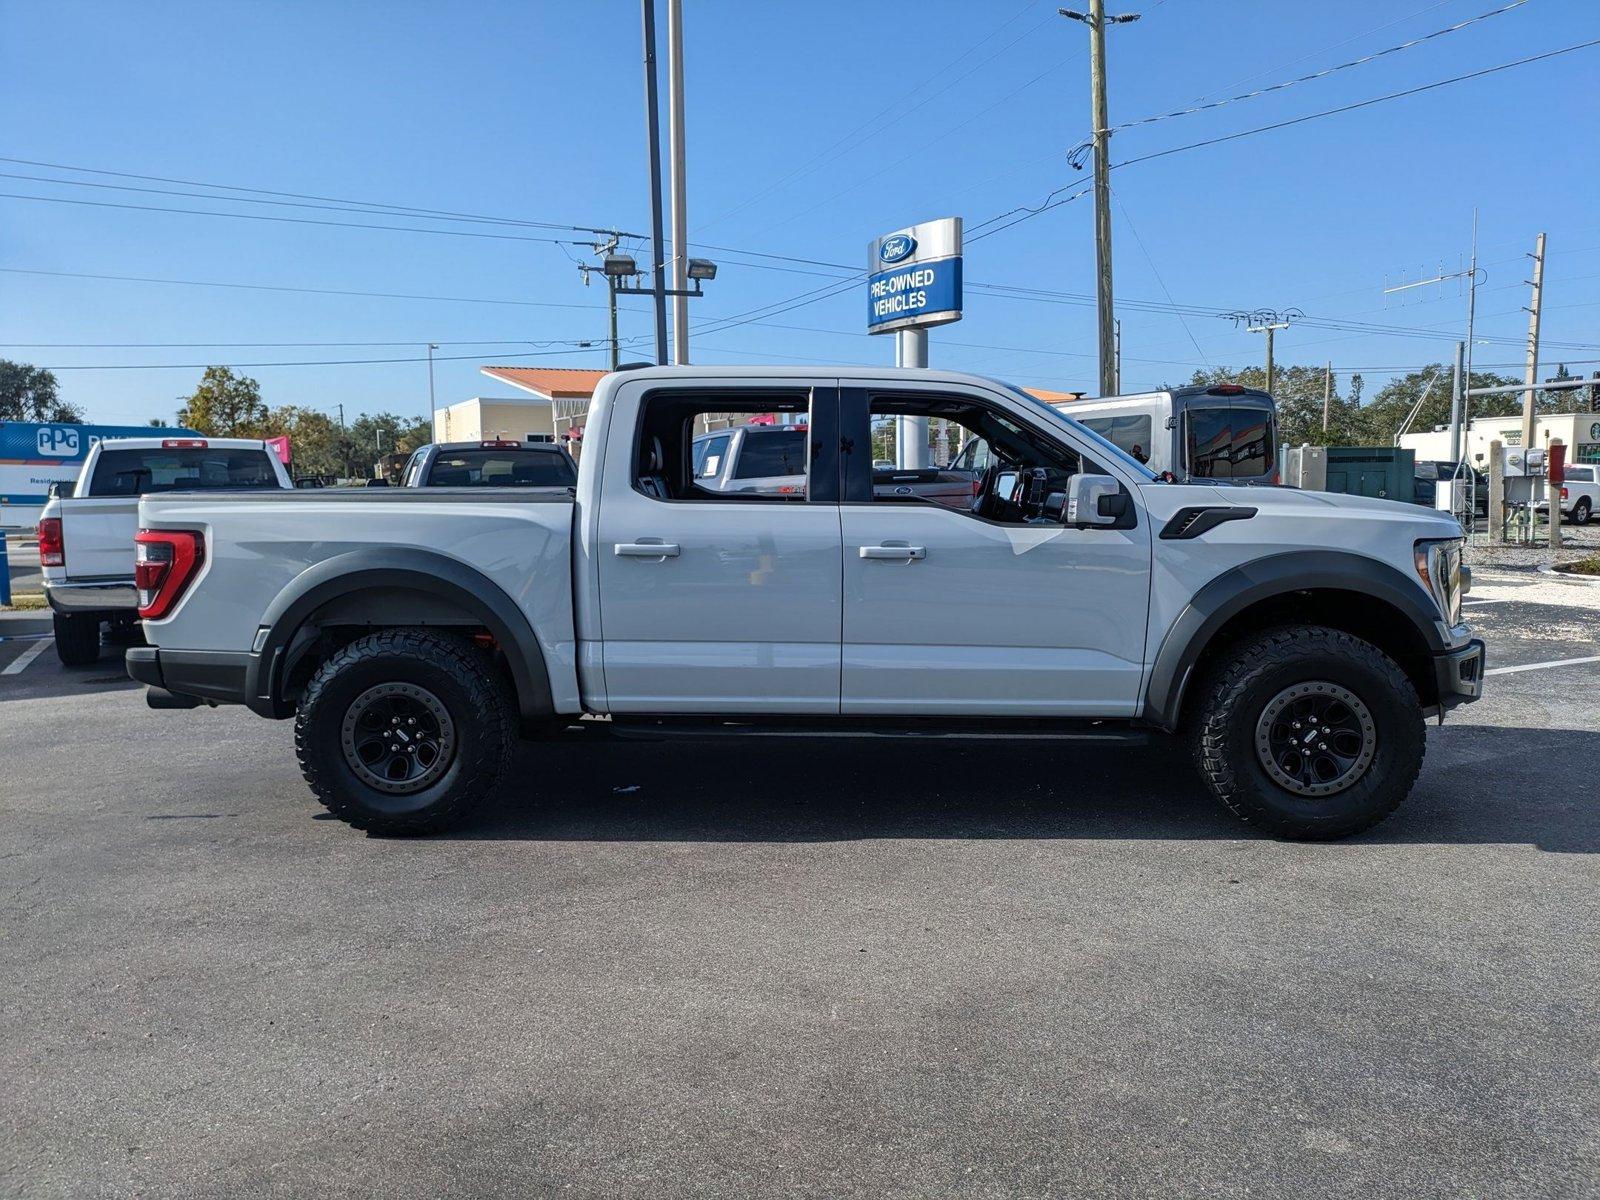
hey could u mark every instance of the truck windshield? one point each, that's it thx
(139, 472)
(1107, 448)
(501, 468)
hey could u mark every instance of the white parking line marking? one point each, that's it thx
(1560, 662)
(20, 664)
(1481, 603)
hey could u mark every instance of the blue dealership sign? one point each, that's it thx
(914, 277)
(916, 294)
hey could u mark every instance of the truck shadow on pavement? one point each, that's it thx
(1479, 785)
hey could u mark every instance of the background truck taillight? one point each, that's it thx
(52, 550)
(165, 563)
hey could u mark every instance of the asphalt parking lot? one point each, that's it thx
(818, 968)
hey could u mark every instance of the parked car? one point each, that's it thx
(1580, 494)
(86, 533)
(1297, 639)
(1430, 473)
(1221, 433)
(767, 460)
(493, 463)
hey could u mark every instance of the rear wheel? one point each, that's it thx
(77, 638)
(404, 731)
(1581, 511)
(1309, 732)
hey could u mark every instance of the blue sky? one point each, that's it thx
(811, 128)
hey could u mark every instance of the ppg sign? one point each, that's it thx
(58, 441)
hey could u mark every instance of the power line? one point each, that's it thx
(268, 287)
(399, 209)
(1330, 112)
(827, 154)
(201, 212)
(599, 345)
(1076, 154)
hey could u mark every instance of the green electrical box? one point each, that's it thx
(1382, 472)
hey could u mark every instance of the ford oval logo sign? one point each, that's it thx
(901, 245)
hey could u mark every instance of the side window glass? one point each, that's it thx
(709, 455)
(710, 448)
(1004, 472)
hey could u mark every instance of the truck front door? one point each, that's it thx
(717, 601)
(997, 609)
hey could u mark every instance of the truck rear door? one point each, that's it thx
(718, 601)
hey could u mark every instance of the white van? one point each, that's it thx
(1222, 432)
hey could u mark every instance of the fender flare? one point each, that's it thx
(388, 567)
(1250, 583)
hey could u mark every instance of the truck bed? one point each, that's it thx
(260, 546)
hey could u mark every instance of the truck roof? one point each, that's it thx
(172, 443)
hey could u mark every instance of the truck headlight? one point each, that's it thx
(1439, 567)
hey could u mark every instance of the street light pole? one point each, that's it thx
(678, 176)
(433, 411)
(653, 120)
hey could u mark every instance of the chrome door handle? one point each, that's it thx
(646, 550)
(895, 553)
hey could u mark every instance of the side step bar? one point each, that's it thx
(925, 729)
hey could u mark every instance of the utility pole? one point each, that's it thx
(680, 213)
(658, 281)
(604, 249)
(1118, 380)
(1327, 394)
(1097, 20)
(1458, 396)
(1267, 321)
(1531, 375)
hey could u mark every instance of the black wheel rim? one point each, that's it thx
(1316, 738)
(398, 738)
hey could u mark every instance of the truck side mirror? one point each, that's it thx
(1096, 500)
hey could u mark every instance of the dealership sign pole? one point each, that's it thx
(913, 284)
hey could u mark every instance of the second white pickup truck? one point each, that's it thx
(86, 538)
(1296, 639)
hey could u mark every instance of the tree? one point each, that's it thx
(375, 434)
(1395, 400)
(29, 393)
(316, 442)
(1298, 392)
(225, 405)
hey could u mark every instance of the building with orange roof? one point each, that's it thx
(551, 407)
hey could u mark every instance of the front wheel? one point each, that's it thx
(77, 638)
(1308, 732)
(404, 731)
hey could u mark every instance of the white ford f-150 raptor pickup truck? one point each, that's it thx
(86, 538)
(1297, 639)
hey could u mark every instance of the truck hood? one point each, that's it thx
(1299, 508)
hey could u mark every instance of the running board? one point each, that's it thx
(992, 729)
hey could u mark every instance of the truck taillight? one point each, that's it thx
(52, 550)
(1563, 496)
(165, 563)
(183, 443)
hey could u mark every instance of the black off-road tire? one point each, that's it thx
(1231, 698)
(77, 638)
(1581, 512)
(479, 704)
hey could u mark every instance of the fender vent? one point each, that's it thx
(1193, 521)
